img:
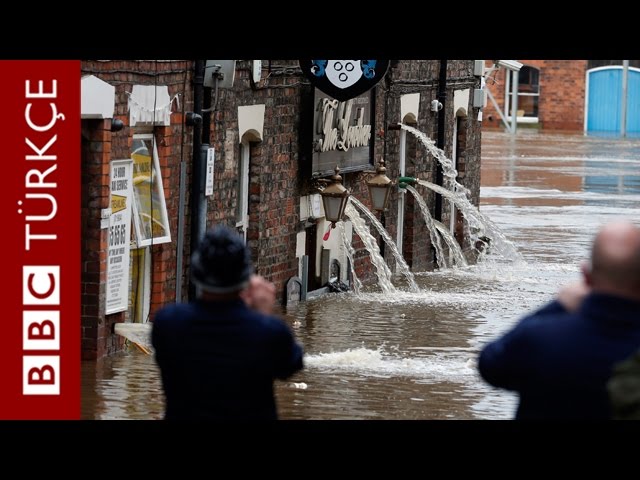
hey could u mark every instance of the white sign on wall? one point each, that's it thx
(119, 235)
(211, 156)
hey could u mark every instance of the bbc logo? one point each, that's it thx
(41, 285)
(41, 330)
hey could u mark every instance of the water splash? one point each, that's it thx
(454, 249)
(357, 284)
(402, 264)
(382, 270)
(451, 365)
(479, 223)
(448, 169)
(480, 226)
(428, 220)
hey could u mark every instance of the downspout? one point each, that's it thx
(401, 191)
(198, 201)
(625, 90)
(206, 118)
(384, 152)
(442, 98)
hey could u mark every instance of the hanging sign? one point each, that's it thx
(342, 133)
(119, 236)
(344, 79)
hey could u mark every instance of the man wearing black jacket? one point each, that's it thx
(220, 354)
(560, 358)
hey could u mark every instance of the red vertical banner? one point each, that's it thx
(40, 327)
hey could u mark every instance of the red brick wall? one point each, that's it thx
(97, 338)
(99, 148)
(275, 180)
(274, 188)
(562, 91)
(276, 172)
(422, 76)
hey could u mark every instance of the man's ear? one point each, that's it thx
(585, 266)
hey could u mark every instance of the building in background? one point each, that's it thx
(267, 137)
(570, 95)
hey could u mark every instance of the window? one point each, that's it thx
(149, 208)
(139, 285)
(528, 94)
(242, 206)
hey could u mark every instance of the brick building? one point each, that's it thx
(262, 128)
(571, 95)
(550, 95)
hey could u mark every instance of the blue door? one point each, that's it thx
(604, 101)
(633, 103)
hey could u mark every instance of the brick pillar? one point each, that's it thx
(97, 329)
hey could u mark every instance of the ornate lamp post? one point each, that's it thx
(379, 188)
(334, 198)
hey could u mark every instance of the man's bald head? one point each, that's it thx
(615, 260)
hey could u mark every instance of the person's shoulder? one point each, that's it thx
(550, 320)
(549, 314)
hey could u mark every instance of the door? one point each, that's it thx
(633, 103)
(604, 101)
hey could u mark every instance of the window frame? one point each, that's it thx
(242, 210)
(508, 95)
(156, 174)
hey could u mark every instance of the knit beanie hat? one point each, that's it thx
(222, 262)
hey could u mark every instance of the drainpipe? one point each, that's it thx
(625, 87)
(198, 200)
(442, 98)
(206, 118)
(514, 102)
(401, 192)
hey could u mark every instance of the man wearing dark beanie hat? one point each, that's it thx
(220, 354)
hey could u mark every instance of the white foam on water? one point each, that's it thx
(451, 366)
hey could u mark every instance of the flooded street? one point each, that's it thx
(413, 355)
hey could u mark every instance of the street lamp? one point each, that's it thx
(379, 188)
(334, 199)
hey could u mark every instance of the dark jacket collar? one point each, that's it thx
(220, 304)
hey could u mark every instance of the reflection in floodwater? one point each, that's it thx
(413, 355)
(124, 386)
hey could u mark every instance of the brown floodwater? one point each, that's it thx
(413, 355)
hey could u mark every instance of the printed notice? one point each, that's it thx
(211, 157)
(119, 236)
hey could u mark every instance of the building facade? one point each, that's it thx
(569, 95)
(268, 136)
(550, 95)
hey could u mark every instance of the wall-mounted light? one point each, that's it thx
(191, 119)
(116, 125)
(334, 198)
(379, 188)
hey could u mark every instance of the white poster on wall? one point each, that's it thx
(211, 157)
(121, 183)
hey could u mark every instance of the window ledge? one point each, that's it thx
(527, 119)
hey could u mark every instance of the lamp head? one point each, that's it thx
(379, 188)
(334, 198)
